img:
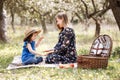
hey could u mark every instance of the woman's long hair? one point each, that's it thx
(62, 15)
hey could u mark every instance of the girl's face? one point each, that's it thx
(34, 36)
(59, 23)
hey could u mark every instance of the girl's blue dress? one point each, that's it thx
(28, 57)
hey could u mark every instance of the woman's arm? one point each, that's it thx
(38, 42)
(31, 50)
(48, 51)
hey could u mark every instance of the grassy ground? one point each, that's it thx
(84, 40)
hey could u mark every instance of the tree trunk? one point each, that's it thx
(97, 31)
(42, 20)
(12, 22)
(23, 21)
(115, 6)
(86, 22)
(2, 23)
(50, 19)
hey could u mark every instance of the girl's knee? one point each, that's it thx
(39, 59)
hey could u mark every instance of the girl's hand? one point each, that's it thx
(41, 38)
(47, 54)
(39, 54)
(38, 42)
(48, 51)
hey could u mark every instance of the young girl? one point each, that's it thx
(65, 50)
(28, 52)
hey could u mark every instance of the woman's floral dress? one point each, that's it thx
(65, 49)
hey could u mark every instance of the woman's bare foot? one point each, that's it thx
(71, 65)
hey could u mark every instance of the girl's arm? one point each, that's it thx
(38, 42)
(31, 50)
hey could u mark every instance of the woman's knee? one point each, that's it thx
(53, 58)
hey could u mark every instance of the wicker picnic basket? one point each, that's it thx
(95, 60)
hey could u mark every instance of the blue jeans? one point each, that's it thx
(33, 60)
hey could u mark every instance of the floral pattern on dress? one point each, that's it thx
(65, 49)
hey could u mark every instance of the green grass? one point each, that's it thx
(83, 39)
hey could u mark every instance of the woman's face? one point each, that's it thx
(59, 23)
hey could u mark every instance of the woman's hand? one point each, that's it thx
(48, 51)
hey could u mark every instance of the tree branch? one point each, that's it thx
(105, 4)
(93, 3)
(86, 7)
(31, 7)
(27, 8)
(103, 11)
(78, 16)
(99, 13)
(94, 13)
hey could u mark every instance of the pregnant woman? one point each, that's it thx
(65, 50)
